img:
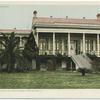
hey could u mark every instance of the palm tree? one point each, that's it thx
(11, 54)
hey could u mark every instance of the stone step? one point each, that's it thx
(81, 61)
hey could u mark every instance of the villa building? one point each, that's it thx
(67, 36)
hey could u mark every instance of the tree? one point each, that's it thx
(30, 51)
(95, 63)
(11, 53)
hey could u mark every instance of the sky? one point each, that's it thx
(20, 16)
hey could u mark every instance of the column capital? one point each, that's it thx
(37, 32)
(20, 36)
(53, 32)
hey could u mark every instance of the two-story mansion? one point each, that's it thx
(67, 36)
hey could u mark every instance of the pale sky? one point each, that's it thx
(20, 16)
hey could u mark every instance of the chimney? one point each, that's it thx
(34, 13)
(14, 29)
(98, 16)
(50, 16)
(83, 17)
(66, 17)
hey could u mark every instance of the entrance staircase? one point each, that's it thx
(81, 61)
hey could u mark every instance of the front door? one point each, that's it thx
(73, 48)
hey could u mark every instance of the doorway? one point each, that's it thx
(75, 47)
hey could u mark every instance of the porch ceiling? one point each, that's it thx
(55, 30)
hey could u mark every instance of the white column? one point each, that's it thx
(81, 47)
(20, 41)
(62, 46)
(49, 44)
(69, 44)
(97, 44)
(83, 43)
(37, 39)
(53, 43)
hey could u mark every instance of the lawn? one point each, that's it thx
(48, 80)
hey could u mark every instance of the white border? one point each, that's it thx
(51, 2)
(50, 93)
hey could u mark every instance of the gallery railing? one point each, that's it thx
(93, 52)
(43, 52)
(50, 52)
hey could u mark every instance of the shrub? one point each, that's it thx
(96, 65)
(83, 71)
(58, 60)
(50, 65)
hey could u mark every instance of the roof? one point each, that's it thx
(14, 30)
(64, 21)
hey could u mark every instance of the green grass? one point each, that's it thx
(48, 80)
